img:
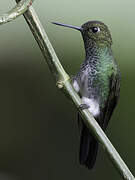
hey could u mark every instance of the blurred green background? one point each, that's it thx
(39, 136)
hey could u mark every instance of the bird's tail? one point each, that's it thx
(88, 148)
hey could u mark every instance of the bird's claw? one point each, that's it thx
(83, 106)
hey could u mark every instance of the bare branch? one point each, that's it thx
(18, 10)
(63, 82)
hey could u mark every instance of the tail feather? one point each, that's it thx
(88, 148)
(93, 150)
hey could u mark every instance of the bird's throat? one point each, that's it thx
(96, 51)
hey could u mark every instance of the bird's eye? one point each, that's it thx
(95, 29)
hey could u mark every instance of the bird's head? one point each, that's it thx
(94, 31)
(97, 32)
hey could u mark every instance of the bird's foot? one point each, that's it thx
(83, 106)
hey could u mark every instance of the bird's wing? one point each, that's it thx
(112, 99)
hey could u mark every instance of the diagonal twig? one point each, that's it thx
(63, 82)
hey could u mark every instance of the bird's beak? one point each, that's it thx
(69, 26)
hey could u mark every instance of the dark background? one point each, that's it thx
(39, 136)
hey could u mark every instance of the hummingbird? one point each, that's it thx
(97, 83)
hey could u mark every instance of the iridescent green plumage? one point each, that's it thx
(97, 82)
